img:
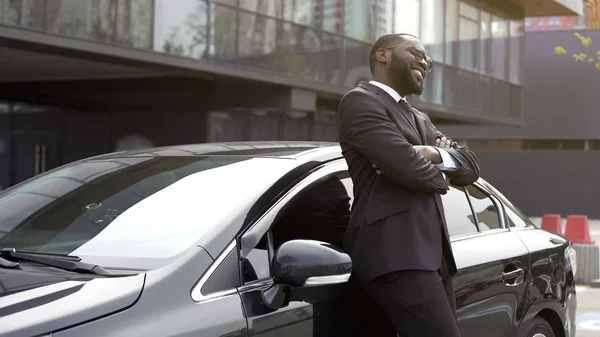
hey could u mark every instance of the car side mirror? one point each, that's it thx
(305, 263)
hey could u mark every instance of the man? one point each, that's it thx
(397, 235)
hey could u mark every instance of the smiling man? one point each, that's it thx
(398, 160)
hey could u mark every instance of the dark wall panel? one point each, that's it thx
(539, 182)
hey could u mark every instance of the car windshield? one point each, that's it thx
(132, 212)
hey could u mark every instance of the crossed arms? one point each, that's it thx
(365, 126)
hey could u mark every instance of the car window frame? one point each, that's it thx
(261, 226)
(499, 206)
(477, 231)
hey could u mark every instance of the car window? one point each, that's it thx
(516, 219)
(459, 216)
(485, 209)
(319, 212)
(226, 276)
(133, 212)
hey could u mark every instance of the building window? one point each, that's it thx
(542, 144)
(554, 21)
(495, 144)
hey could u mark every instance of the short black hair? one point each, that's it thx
(385, 41)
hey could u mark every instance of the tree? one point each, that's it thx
(586, 42)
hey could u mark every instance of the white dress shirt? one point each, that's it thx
(448, 164)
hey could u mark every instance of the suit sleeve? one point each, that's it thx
(468, 165)
(365, 126)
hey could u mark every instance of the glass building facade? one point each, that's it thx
(84, 77)
(477, 49)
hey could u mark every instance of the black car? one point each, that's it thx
(245, 239)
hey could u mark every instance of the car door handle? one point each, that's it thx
(513, 277)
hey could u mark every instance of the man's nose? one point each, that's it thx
(424, 64)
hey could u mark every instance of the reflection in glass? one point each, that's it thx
(30, 14)
(183, 27)
(131, 210)
(468, 35)
(451, 30)
(485, 36)
(459, 217)
(135, 23)
(484, 208)
(407, 17)
(432, 28)
(499, 49)
(296, 125)
(516, 46)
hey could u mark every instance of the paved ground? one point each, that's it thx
(588, 312)
(588, 299)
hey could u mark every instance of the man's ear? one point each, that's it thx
(382, 55)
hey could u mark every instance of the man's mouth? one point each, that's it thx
(419, 74)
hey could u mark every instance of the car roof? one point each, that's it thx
(299, 150)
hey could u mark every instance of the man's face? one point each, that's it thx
(408, 63)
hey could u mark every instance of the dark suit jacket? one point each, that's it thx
(397, 220)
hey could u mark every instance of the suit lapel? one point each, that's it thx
(421, 128)
(391, 104)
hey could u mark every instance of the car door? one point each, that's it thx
(314, 209)
(492, 263)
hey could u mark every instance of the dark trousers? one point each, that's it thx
(416, 303)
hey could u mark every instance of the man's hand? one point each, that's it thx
(429, 153)
(444, 142)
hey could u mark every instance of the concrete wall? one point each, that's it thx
(539, 182)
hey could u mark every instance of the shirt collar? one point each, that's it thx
(395, 95)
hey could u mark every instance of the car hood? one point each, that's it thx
(32, 304)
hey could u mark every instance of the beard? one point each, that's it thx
(408, 81)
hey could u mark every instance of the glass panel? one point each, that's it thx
(515, 100)
(484, 36)
(451, 89)
(332, 58)
(433, 91)
(468, 11)
(407, 17)
(328, 133)
(499, 52)
(459, 216)
(516, 41)
(30, 14)
(300, 11)
(485, 209)
(357, 64)
(5, 161)
(468, 36)
(296, 126)
(263, 126)
(225, 127)
(501, 101)
(256, 265)
(432, 28)
(184, 29)
(451, 31)
(484, 94)
(359, 19)
(467, 89)
(273, 8)
(331, 15)
(87, 19)
(135, 23)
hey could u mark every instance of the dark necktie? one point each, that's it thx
(404, 104)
